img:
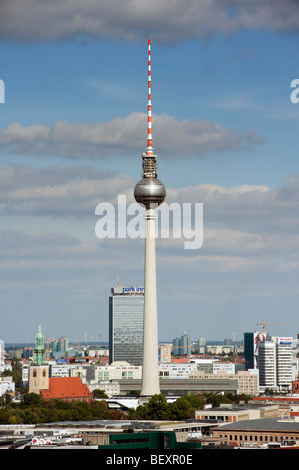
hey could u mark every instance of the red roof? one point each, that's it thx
(66, 387)
(277, 399)
(180, 360)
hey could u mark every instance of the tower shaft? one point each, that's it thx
(150, 363)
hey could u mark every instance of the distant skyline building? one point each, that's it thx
(200, 346)
(182, 345)
(126, 307)
(60, 347)
(150, 193)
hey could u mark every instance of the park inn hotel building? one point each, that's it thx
(126, 307)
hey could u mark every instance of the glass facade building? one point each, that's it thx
(126, 308)
(249, 350)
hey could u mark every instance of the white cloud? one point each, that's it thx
(167, 21)
(124, 135)
(243, 226)
(75, 191)
(71, 192)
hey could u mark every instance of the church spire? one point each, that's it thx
(39, 352)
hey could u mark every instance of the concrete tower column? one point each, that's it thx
(150, 364)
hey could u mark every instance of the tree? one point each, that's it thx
(196, 401)
(16, 371)
(181, 409)
(32, 399)
(216, 399)
(97, 393)
(156, 408)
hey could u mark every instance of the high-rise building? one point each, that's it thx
(60, 347)
(266, 364)
(284, 362)
(126, 306)
(150, 192)
(251, 342)
(249, 350)
(275, 363)
(181, 345)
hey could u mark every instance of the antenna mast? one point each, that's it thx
(149, 150)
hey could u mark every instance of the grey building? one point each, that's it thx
(60, 347)
(126, 307)
(181, 345)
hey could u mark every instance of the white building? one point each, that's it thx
(165, 353)
(176, 370)
(227, 367)
(284, 362)
(107, 378)
(6, 385)
(275, 363)
(248, 381)
(2, 357)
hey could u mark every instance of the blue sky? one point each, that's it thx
(72, 131)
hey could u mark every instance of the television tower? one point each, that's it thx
(150, 193)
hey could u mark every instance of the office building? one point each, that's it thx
(251, 342)
(275, 363)
(126, 306)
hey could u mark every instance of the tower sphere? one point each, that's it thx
(150, 192)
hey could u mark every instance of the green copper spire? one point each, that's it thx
(39, 352)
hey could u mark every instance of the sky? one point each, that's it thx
(73, 127)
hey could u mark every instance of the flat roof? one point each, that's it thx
(265, 424)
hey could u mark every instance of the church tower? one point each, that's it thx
(39, 369)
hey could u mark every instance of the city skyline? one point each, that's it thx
(72, 128)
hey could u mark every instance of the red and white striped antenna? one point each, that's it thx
(149, 150)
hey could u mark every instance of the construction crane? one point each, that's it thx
(263, 324)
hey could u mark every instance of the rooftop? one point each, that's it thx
(65, 387)
(266, 424)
